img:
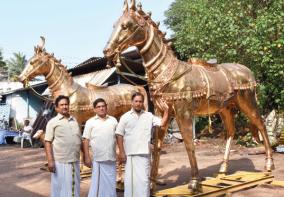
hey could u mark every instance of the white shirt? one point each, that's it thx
(28, 129)
(101, 133)
(136, 131)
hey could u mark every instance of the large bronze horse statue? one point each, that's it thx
(118, 97)
(193, 88)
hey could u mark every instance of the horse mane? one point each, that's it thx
(41, 50)
(148, 19)
(56, 61)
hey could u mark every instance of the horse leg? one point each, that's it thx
(254, 132)
(184, 121)
(159, 136)
(228, 120)
(247, 104)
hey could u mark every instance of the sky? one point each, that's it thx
(74, 30)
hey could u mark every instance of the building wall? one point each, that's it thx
(24, 105)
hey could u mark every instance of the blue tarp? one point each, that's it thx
(6, 133)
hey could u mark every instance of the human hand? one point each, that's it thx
(88, 162)
(51, 166)
(164, 105)
(122, 157)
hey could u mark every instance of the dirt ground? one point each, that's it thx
(20, 173)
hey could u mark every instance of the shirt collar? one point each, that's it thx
(60, 117)
(97, 117)
(133, 111)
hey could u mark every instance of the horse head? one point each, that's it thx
(131, 29)
(37, 65)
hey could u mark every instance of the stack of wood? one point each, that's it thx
(281, 139)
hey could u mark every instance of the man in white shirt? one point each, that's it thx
(133, 135)
(62, 147)
(100, 133)
(27, 131)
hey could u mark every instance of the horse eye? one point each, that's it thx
(32, 62)
(123, 26)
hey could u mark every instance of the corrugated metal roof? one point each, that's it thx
(95, 78)
(33, 84)
(94, 64)
(88, 61)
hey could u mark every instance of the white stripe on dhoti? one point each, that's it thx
(137, 176)
(62, 183)
(103, 183)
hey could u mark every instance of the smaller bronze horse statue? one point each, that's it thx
(60, 82)
(192, 88)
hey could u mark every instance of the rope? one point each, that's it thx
(127, 79)
(131, 71)
(143, 78)
(36, 93)
(42, 97)
(171, 80)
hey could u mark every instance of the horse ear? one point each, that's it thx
(42, 43)
(125, 7)
(133, 5)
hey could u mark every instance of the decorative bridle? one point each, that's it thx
(142, 20)
(50, 73)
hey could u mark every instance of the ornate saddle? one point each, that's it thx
(209, 65)
(95, 87)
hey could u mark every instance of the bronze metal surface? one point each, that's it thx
(60, 82)
(192, 88)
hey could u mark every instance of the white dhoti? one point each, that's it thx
(65, 181)
(103, 181)
(137, 176)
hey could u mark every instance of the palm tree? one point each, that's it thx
(2, 62)
(3, 68)
(16, 65)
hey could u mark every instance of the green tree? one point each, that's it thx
(16, 65)
(2, 62)
(249, 32)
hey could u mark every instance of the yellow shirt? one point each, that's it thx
(65, 136)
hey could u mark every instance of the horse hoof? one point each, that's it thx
(269, 165)
(223, 169)
(194, 187)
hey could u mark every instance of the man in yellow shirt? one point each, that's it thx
(62, 145)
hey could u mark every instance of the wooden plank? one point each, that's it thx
(221, 185)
